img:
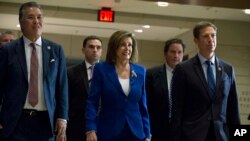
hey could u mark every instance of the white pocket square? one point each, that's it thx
(52, 60)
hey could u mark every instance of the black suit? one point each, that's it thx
(196, 112)
(158, 102)
(78, 93)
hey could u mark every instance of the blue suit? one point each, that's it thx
(195, 110)
(14, 83)
(117, 109)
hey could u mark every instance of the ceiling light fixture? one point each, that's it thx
(146, 26)
(162, 4)
(247, 11)
(138, 30)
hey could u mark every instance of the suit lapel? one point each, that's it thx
(114, 77)
(218, 69)
(163, 79)
(20, 51)
(46, 53)
(198, 69)
(133, 77)
(84, 76)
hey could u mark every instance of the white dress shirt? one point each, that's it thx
(125, 85)
(41, 106)
(169, 74)
(204, 65)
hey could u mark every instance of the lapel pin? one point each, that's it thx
(133, 74)
(48, 47)
(219, 68)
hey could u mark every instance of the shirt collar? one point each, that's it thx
(168, 68)
(38, 42)
(87, 64)
(203, 59)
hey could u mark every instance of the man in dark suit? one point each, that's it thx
(204, 94)
(33, 83)
(158, 80)
(79, 77)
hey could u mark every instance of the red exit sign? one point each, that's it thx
(106, 15)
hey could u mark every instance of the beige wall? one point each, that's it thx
(150, 52)
(233, 47)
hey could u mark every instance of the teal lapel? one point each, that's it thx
(47, 52)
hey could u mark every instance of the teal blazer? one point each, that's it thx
(14, 83)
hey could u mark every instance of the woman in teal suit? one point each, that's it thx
(116, 106)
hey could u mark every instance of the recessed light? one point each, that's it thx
(247, 11)
(162, 4)
(138, 30)
(146, 26)
(18, 25)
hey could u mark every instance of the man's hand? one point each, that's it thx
(61, 126)
(91, 136)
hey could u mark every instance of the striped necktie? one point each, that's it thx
(170, 102)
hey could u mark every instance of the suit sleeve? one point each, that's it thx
(143, 108)
(62, 87)
(93, 99)
(178, 93)
(149, 91)
(3, 73)
(233, 115)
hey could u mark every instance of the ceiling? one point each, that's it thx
(189, 10)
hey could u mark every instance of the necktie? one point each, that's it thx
(33, 85)
(91, 73)
(170, 100)
(210, 77)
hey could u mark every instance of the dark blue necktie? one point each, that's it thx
(210, 77)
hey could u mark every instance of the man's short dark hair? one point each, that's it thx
(201, 25)
(169, 42)
(27, 5)
(92, 37)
